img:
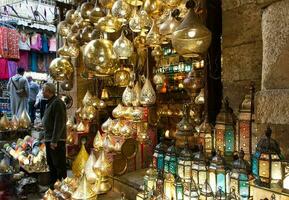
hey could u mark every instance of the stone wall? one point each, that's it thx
(241, 48)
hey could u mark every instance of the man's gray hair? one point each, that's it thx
(50, 87)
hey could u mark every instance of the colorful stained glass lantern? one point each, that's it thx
(171, 160)
(179, 189)
(205, 136)
(224, 129)
(185, 164)
(245, 125)
(169, 187)
(159, 155)
(206, 193)
(150, 178)
(190, 190)
(285, 184)
(199, 168)
(217, 173)
(239, 177)
(266, 162)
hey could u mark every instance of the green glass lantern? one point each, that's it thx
(185, 164)
(239, 176)
(266, 162)
(190, 190)
(199, 168)
(206, 193)
(217, 173)
(179, 188)
(171, 160)
(224, 130)
(159, 155)
(150, 178)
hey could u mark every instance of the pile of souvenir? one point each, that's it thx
(30, 153)
(14, 124)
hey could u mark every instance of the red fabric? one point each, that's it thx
(13, 45)
(3, 42)
(23, 62)
(4, 73)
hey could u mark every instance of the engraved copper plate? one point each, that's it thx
(129, 148)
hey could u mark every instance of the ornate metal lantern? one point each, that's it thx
(285, 184)
(199, 168)
(266, 162)
(169, 187)
(206, 193)
(159, 155)
(205, 136)
(220, 195)
(160, 183)
(150, 178)
(142, 195)
(171, 160)
(190, 190)
(179, 188)
(244, 125)
(185, 164)
(225, 136)
(185, 126)
(239, 178)
(217, 173)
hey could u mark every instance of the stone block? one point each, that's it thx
(242, 62)
(275, 28)
(272, 106)
(241, 25)
(230, 4)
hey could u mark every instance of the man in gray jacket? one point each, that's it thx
(54, 122)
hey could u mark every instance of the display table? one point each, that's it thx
(258, 192)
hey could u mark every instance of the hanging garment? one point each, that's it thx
(36, 43)
(45, 48)
(12, 68)
(4, 74)
(13, 46)
(33, 61)
(3, 42)
(24, 41)
(52, 44)
(40, 63)
(24, 59)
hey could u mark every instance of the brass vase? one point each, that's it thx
(79, 162)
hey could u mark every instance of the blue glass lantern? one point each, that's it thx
(159, 155)
(266, 162)
(217, 174)
(199, 168)
(239, 177)
(224, 130)
(171, 160)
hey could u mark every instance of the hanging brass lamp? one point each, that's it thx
(128, 96)
(153, 38)
(104, 94)
(60, 69)
(64, 50)
(107, 3)
(185, 126)
(135, 3)
(80, 160)
(159, 80)
(4, 123)
(135, 21)
(96, 14)
(84, 190)
(122, 78)
(154, 8)
(140, 40)
(123, 47)
(98, 141)
(121, 10)
(109, 23)
(24, 120)
(148, 95)
(200, 99)
(73, 37)
(70, 16)
(86, 34)
(191, 38)
(85, 10)
(73, 50)
(169, 25)
(63, 28)
(145, 20)
(88, 112)
(117, 111)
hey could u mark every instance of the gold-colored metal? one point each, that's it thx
(14, 122)
(49, 195)
(148, 95)
(87, 99)
(135, 3)
(73, 37)
(105, 126)
(108, 143)
(85, 10)
(169, 26)
(74, 50)
(24, 120)
(119, 165)
(129, 148)
(4, 123)
(64, 50)
(137, 114)
(137, 93)
(121, 10)
(107, 3)
(63, 28)
(80, 127)
(88, 169)
(104, 94)
(200, 99)
(135, 21)
(128, 113)
(88, 112)
(70, 16)
(117, 126)
(154, 8)
(128, 96)
(79, 162)
(86, 34)
(123, 47)
(153, 38)
(96, 14)
(191, 38)
(122, 78)
(159, 79)
(84, 190)
(140, 40)
(126, 130)
(117, 111)
(109, 23)
(97, 141)
(60, 69)
(185, 126)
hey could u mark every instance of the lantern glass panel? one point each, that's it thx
(208, 143)
(181, 169)
(221, 181)
(286, 183)
(202, 177)
(234, 184)
(255, 164)
(229, 141)
(169, 189)
(212, 181)
(179, 190)
(264, 168)
(276, 170)
(195, 175)
(160, 162)
(167, 164)
(244, 189)
(188, 171)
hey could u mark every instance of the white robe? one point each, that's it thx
(18, 104)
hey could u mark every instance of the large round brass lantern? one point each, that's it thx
(60, 69)
(266, 162)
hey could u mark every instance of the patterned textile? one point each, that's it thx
(36, 42)
(24, 59)
(24, 41)
(3, 42)
(12, 68)
(4, 74)
(52, 44)
(13, 46)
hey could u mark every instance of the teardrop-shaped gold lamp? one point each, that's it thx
(98, 141)
(109, 24)
(80, 127)
(153, 37)
(86, 34)
(85, 10)
(121, 10)
(105, 126)
(116, 112)
(135, 21)
(122, 78)
(148, 95)
(84, 190)
(79, 162)
(128, 96)
(200, 99)
(154, 8)
(87, 99)
(104, 94)
(88, 112)
(70, 16)
(107, 3)
(108, 144)
(88, 169)
(60, 69)
(128, 113)
(191, 38)
(102, 165)
(125, 130)
(96, 14)
(24, 120)
(14, 122)
(123, 47)
(137, 93)
(169, 26)
(135, 3)
(4, 123)
(64, 50)
(63, 28)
